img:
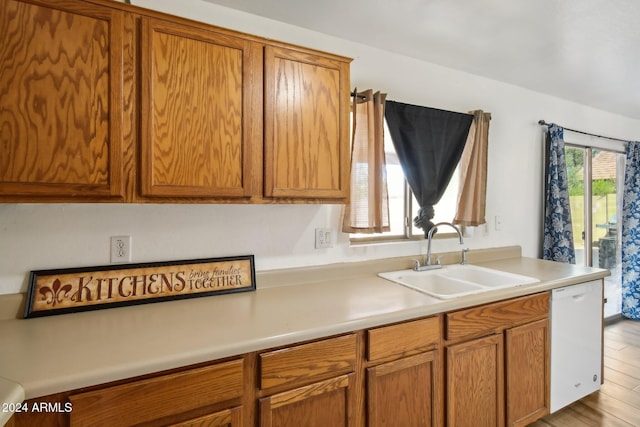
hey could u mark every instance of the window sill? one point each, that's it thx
(362, 241)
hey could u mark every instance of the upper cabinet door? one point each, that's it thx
(306, 133)
(61, 101)
(196, 101)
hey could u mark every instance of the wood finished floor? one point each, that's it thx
(618, 401)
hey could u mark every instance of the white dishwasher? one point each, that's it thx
(576, 342)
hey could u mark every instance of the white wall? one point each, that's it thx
(40, 236)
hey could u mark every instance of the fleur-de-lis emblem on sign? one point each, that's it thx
(56, 293)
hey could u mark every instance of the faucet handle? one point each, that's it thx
(416, 264)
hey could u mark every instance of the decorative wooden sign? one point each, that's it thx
(80, 289)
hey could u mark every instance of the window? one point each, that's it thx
(403, 206)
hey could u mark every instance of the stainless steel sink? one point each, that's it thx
(453, 281)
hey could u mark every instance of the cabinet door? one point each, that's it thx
(527, 373)
(306, 125)
(61, 101)
(475, 383)
(321, 404)
(197, 106)
(403, 392)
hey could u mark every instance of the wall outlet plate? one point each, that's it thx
(120, 249)
(324, 238)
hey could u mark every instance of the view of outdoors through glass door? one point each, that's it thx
(595, 190)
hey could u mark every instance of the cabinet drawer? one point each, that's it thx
(495, 317)
(307, 362)
(153, 398)
(403, 338)
(225, 418)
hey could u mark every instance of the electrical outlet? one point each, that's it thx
(499, 224)
(120, 249)
(324, 238)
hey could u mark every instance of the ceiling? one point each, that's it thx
(587, 51)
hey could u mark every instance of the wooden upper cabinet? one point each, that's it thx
(306, 132)
(197, 95)
(61, 101)
(101, 101)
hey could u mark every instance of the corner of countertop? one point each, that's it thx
(11, 393)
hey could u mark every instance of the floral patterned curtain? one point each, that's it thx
(631, 234)
(558, 235)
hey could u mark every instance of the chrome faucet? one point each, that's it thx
(427, 259)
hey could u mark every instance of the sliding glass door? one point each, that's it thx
(596, 177)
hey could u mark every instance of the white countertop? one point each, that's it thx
(47, 355)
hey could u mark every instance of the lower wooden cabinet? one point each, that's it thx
(497, 363)
(325, 403)
(403, 374)
(475, 383)
(159, 397)
(527, 372)
(502, 375)
(309, 385)
(485, 366)
(403, 392)
(201, 396)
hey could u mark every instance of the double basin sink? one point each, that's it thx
(457, 280)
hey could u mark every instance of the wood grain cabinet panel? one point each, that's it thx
(309, 385)
(322, 404)
(308, 362)
(196, 105)
(403, 339)
(61, 101)
(101, 101)
(306, 125)
(475, 383)
(404, 392)
(403, 377)
(496, 317)
(225, 418)
(527, 372)
(503, 377)
(152, 399)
